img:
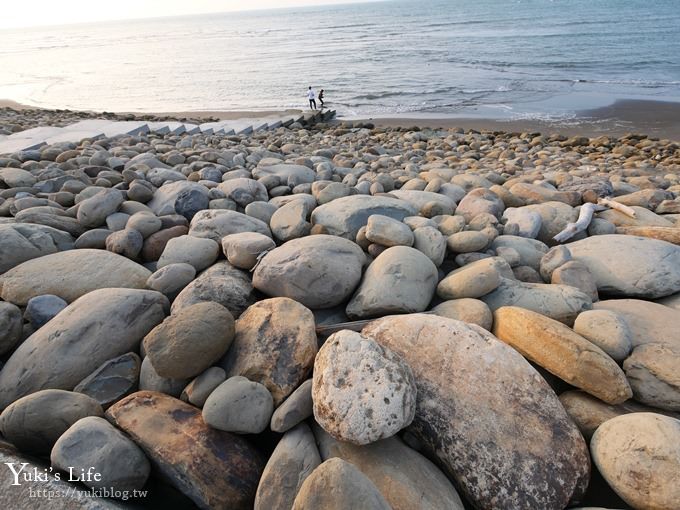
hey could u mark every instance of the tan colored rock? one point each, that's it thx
(562, 352)
(71, 274)
(606, 329)
(653, 371)
(404, 477)
(589, 412)
(293, 460)
(338, 485)
(215, 469)
(472, 311)
(486, 415)
(643, 218)
(639, 456)
(650, 323)
(668, 234)
(275, 345)
(470, 281)
(190, 341)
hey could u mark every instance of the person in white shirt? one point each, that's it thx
(312, 98)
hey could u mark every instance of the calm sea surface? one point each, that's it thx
(518, 58)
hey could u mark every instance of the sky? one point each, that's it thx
(25, 13)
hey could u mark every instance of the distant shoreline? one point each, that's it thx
(658, 119)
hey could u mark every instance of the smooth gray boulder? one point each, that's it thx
(165, 197)
(199, 253)
(338, 485)
(42, 309)
(295, 409)
(33, 423)
(93, 442)
(113, 380)
(293, 460)
(95, 328)
(70, 275)
(92, 212)
(11, 326)
(243, 191)
(630, 266)
(476, 421)
(20, 242)
(240, 406)
(319, 271)
(559, 302)
(217, 223)
(200, 388)
(221, 283)
(399, 280)
(345, 216)
(404, 477)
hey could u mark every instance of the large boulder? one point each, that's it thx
(399, 280)
(649, 323)
(404, 477)
(362, 392)
(319, 271)
(215, 469)
(34, 422)
(217, 223)
(70, 275)
(95, 328)
(638, 455)
(293, 460)
(562, 352)
(93, 442)
(221, 283)
(345, 216)
(338, 485)
(496, 426)
(275, 345)
(165, 197)
(92, 212)
(559, 302)
(191, 341)
(630, 266)
(20, 242)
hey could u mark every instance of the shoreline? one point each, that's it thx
(656, 119)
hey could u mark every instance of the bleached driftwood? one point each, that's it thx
(628, 211)
(584, 218)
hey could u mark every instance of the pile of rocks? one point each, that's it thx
(13, 120)
(342, 317)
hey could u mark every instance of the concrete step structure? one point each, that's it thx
(93, 129)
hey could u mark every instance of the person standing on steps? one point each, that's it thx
(312, 98)
(321, 98)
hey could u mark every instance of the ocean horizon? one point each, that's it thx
(522, 59)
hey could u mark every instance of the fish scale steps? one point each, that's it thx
(93, 129)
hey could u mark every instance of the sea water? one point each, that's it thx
(496, 58)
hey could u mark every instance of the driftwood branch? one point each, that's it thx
(628, 211)
(584, 218)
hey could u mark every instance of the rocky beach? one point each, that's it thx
(339, 315)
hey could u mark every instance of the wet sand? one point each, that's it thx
(659, 119)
